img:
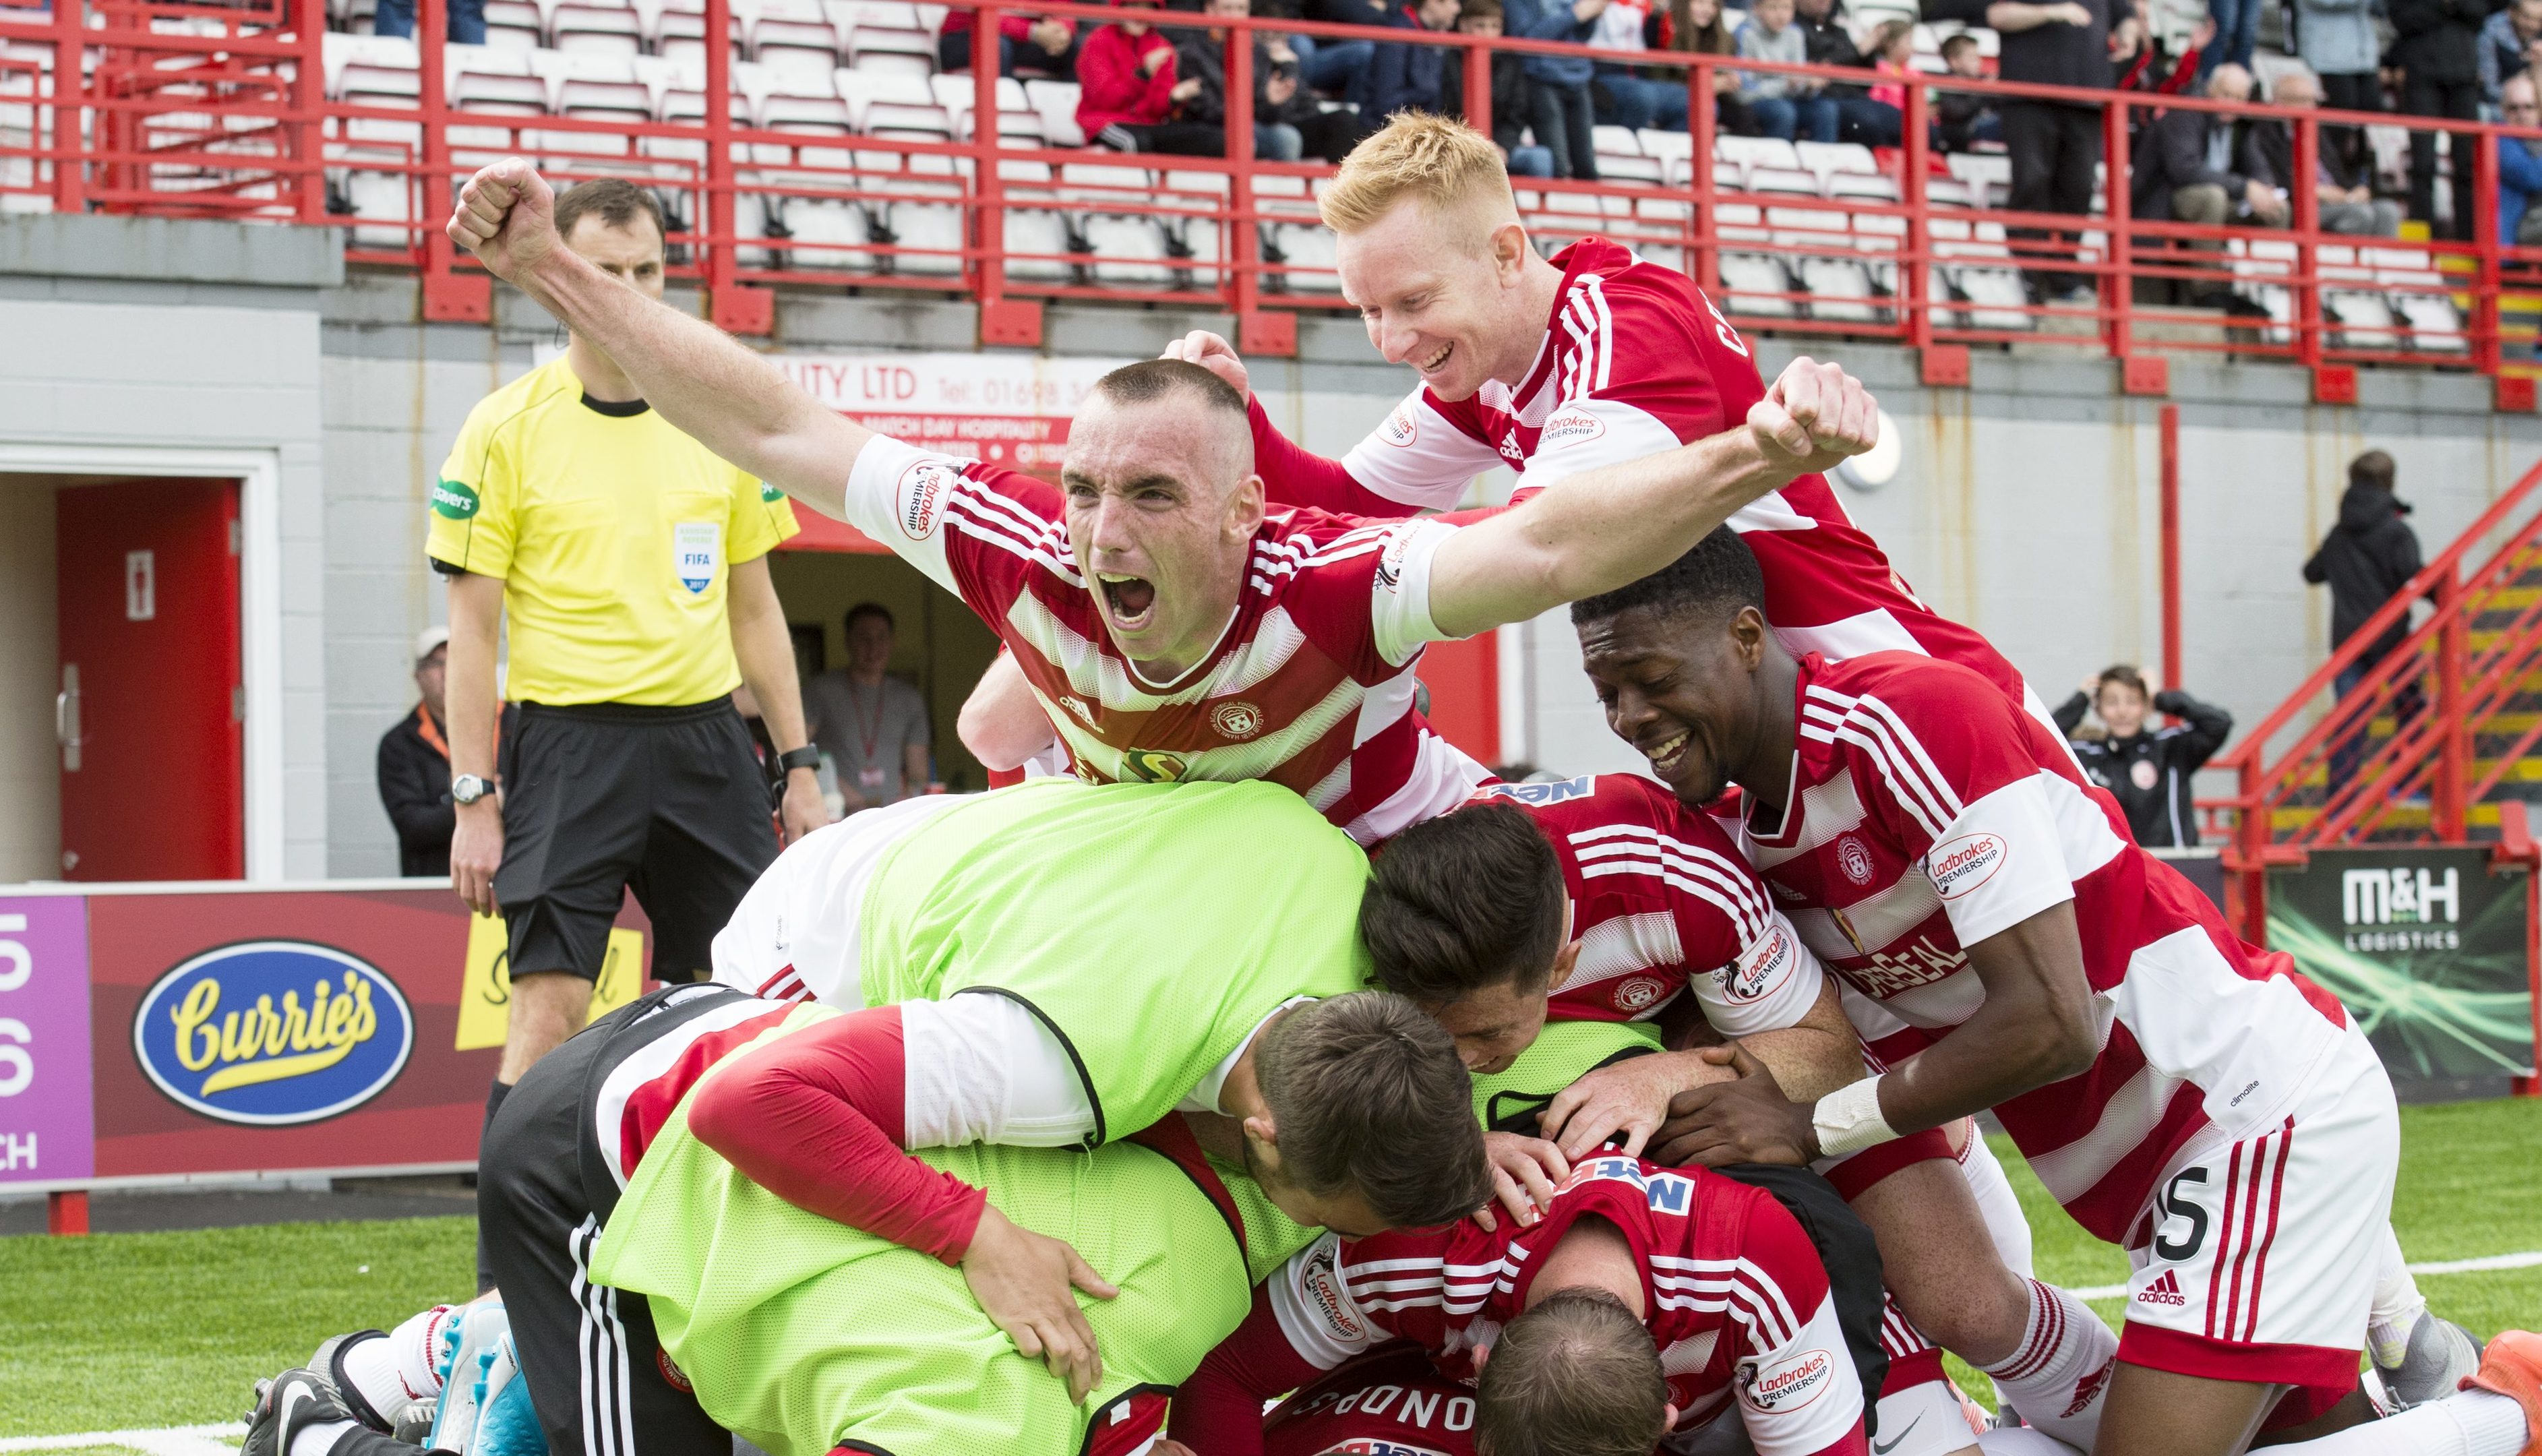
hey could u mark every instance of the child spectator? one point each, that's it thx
(1623, 96)
(1511, 103)
(1558, 85)
(1411, 78)
(1129, 90)
(1893, 52)
(1695, 26)
(1783, 106)
(1962, 120)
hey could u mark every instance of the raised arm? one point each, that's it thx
(708, 387)
(1600, 529)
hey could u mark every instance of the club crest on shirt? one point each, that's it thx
(1238, 721)
(924, 490)
(1637, 993)
(1401, 428)
(1153, 765)
(1852, 857)
(2143, 774)
(1961, 866)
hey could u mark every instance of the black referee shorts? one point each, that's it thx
(597, 1374)
(603, 798)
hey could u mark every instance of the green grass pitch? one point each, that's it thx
(132, 1330)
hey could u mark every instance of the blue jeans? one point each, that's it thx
(1530, 162)
(1332, 65)
(1278, 142)
(1787, 117)
(467, 20)
(2237, 33)
(2407, 702)
(1638, 102)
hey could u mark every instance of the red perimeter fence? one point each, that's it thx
(789, 168)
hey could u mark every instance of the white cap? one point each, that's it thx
(429, 639)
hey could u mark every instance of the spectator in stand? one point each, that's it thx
(1783, 106)
(1558, 85)
(1623, 96)
(1200, 60)
(2193, 169)
(1510, 99)
(2345, 196)
(1413, 78)
(2505, 41)
(1129, 90)
(1961, 119)
(1893, 55)
(466, 23)
(2153, 68)
(2438, 56)
(1339, 68)
(1281, 96)
(2339, 41)
(2148, 773)
(1036, 48)
(2237, 35)
(414, 766)
(872, 727)
(2056, 148)
(2367, 557)
(1695, 26)
(2519, 167)
(1830, 42)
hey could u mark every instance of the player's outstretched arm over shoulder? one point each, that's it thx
(717, 393)
(1600, 529)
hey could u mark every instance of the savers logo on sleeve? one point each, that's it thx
(453, 501)
(273, 1032)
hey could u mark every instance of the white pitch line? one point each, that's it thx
(2526, 1260)
(165, 1441)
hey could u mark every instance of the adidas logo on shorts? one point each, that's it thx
(2164, 1290)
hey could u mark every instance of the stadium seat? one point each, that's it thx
(598, 27)
(794, 37)
(924, 213)
(1035, 230)
(1752, 152)
(1129, 250)
(680, 33)
(1988, 176)
(891, 52)
(1056, 101)
(895, 105)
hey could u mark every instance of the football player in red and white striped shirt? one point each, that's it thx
(1559, 367)
(1659, 900)
(1171, 624)
(1645, 1300)
(2185, 1095)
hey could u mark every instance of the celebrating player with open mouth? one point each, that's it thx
(2184, 1095)
(1171, 624)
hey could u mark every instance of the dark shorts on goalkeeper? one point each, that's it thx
(597, 1374)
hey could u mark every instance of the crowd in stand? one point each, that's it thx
(1155, 82)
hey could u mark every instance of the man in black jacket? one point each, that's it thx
(1830, 43)
(2148, 773)
(2055, 147)
(1412, 78)
(2193, 168)
(415, 767)
(2439, 53)
(2371, 554)
(2343, 182)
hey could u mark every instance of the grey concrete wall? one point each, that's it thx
(119, 363)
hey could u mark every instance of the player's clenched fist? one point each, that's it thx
(506, 216)
(1815, 415)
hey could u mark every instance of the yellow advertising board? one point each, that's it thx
(486, 989)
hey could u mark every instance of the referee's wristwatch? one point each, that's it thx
(468, 788)
(807, 756)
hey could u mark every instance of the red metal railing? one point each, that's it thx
(2457, 694)
(224, 110)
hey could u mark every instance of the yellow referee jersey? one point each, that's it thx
(613, 533)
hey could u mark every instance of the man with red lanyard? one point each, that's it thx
(1168, 622)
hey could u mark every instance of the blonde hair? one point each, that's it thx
(1441, 161)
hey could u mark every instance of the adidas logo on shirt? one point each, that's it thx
(2164, 1290)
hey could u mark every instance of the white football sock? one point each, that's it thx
(2475, 1422)
(389, 1372)
(2021, 1440)
(2059, 1375)
(2398, 1304)
(317, 1440)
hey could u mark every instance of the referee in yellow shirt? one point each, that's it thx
(633, 566)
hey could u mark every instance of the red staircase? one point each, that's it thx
(2439, 737)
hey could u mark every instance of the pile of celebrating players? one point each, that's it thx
(1261, 1053)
